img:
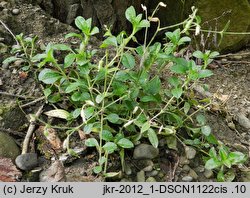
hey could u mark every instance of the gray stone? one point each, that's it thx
(151, 179)
(145, 151)
(128, 169)
(148, 168)
(8, 147)
(190, 152)
(125, 180)
(72, 13)
(193, 174)
(15, 11)
(186, 168)
(152, 173)
(140, 176)
(231, 125)
(18, 63)
(243, 121)
(187, 178)
(184, 160)
(208, 173)
(27, 161)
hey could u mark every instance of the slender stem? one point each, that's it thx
(163, 110)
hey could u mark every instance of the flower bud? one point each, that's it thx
(162, 4)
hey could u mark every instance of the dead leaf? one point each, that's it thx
(23, 75)
(8, 171)
(82, 135)
(52, 137)
(58, 113)
(55, 173)
(221, 97)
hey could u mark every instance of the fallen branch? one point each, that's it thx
(30, 130)
(13, 95)
(33, 102)
(20, 134)
(6, 27)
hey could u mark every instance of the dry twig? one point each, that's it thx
(30, 130)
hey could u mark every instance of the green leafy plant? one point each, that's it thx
(223, 160)
(24, 50)
(120, 98)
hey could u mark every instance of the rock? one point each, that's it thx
(161, 174)
(193, 174)
(190, 152)
(208, 173)
(14, 119)
(184, 160)
(140, 176)
(125, 180)
(8, 147)
(243, 121)
(18, 63)
(145, 151)
(128, 170)
(231, 125)
(151, 179)
(72, 13)
(186, 168)
(214, 14)
(15, 11)
(27, 161)
(3, 4)
(200, 169)
(1, 83)
(187, 179)
(152, 173)
(148, 168)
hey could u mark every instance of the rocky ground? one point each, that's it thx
(229, 118)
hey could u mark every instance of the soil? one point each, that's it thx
(229, 87)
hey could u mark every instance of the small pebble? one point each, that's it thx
(145, 151)
(27, 161)
(161, 174)
(231, 125)
(187, 179)
(128, 170)
(140, 176)
(243, 121)
(184, 160)
(18, 63)
(152, 173)
(15, 11)
(200, 169)
(190, 152)
(151, 179)
(193, 174)
(208, 173)
(125, 180)
(186, 168)
(148, 168)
